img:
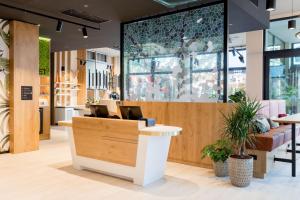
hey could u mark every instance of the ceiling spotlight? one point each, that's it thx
(271, 5)
(241, 58)
(59, 26)
(292, 24)
(84, 33)
(298, 35)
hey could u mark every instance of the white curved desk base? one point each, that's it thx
(152, 154)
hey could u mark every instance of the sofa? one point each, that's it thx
(270, 144)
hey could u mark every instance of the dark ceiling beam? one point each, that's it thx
(49, 16)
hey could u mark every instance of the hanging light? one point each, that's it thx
(59, 26)
(292, 23)
(271, 5)
(84, 33)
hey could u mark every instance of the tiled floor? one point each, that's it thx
(47, 174)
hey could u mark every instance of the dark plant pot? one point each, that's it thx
(221, 168)
(240, 170)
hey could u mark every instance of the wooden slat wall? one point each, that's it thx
(201, 123)
(24, 71)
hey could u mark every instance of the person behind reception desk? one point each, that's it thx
(135, 113)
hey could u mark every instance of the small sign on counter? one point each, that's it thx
(26, 93)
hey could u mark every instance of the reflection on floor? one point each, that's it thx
(47, 174)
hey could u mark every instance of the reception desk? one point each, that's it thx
(123, 148)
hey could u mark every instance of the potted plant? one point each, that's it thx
(238, 129)
(219, 153)
(238, 96)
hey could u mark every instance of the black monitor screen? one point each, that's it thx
(131, 112)
(99, 111)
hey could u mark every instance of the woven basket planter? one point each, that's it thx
(221, 168)
(240, 171)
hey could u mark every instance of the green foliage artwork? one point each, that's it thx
(4, 67)
(44, 49)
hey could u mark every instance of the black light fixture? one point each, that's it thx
(292, 23)
(271, 5)
(84, 33)
(59, 26)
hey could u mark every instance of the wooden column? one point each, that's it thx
(82, 93)
(24, 71)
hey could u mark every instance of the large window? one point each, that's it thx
(175, 57)
(282, 70)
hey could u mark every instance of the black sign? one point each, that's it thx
(26, 92)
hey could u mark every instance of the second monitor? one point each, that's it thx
(131, 112)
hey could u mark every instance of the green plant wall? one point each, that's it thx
(44, 48)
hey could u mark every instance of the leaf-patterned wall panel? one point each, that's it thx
(175, 57)
(4, 66)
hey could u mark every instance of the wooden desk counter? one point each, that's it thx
(123, 148)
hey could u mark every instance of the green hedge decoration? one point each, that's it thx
(44, 48)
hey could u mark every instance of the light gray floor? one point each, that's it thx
(47, 174)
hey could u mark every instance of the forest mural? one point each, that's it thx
(176, 57)
(4, 65)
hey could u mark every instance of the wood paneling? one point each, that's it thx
(107, 139)
(201, 123)
(24, 71)
(46, 124)
(82, 93)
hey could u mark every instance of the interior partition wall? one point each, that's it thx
(179, 56)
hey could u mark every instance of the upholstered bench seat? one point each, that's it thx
(274, 138)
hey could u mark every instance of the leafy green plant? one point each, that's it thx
(239, 125)
(238, 96)
(220, 151)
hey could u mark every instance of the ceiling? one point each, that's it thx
(116, 11)
(285, 6)
(71, 37)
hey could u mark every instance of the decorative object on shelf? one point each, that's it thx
(4, 98)
(238, 129)
(219, 153)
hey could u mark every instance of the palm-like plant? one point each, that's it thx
(240, 123)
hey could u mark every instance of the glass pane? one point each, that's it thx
(205, 61)
(140, 66)
(206, 86)
(237, 59)
(284, 82)
(168, 48)
(139, 87)
(165, 64)
(279, 37)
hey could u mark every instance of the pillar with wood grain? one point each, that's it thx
(24, 75)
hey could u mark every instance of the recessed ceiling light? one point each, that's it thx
(85, 5)
(298, 35)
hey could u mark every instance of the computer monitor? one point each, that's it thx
(99, 111)
(131, 112)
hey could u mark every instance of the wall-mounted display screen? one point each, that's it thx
(175, 57)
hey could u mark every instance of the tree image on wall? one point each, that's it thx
(182, 35)
(4, 64)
